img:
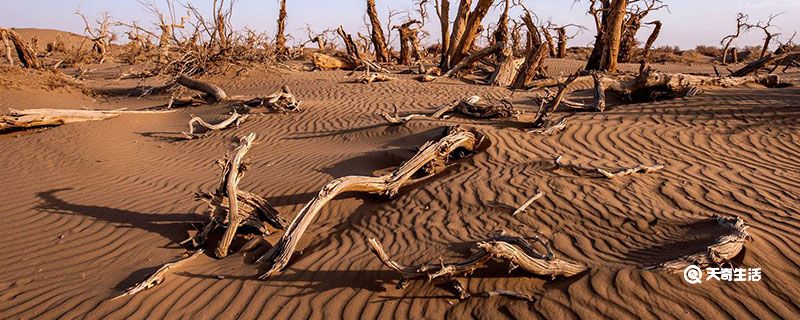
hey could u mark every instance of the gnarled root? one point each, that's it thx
(515, 250)
(158, 277)
(431, 159)
(725, 248)
(234, 208)
(235, 119)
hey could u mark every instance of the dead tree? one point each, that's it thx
(100, 35)
(769, 36)
(443, 12)
(648, 46)
(465, 29)
(551, 44)
(631, 26)
(8, 46)
(378, 40)
(431, 159)
(609, 16)
(26, 54)
(409, 42)
(741, 22)
(280, 36)
(535, 55)
(561, 31)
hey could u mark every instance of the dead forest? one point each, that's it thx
(184, 46)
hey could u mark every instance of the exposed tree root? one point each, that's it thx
(33, 118)
(724, 249)
(515, 250)
(158, 277)
(472, 107)
(431, 159)
(234, 120)
(241, 209)
(603, 173)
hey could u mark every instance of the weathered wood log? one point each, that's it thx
(26, 54)
(431, 159)
(33, 118)
(778, 59)
(723, 250)
(158, 277)
(326, 62)
(213, 90)
(515, 250)
(234, 208)
(235, 119)
(282, 101)
(369, 77)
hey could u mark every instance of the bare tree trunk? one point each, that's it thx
(764, 49)
(378, 40)
(350, 45)
(458, 30)
(600, 19)
(649, 44)
(25, 53)
(280, 37)
(470, 30)
(628, 41)
(550, 42)
(443, 11)
(613, 35)
(533, 58)
(562, 42)
(408, 42)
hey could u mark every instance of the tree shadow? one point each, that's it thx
(170, 226)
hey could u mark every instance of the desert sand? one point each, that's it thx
(90, 209)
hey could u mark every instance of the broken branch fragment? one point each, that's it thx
(514, 250)
(600, 172)
(431, 159)
(282, 101)
(528, 203)
(158, 277)
(472, 107)
(235, 119)
(33, 118)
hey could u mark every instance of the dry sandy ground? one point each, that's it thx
(89, 209)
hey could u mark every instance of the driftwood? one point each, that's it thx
(431, 159)
(515, 250)
(235, 119)
(472, 107)
(605, 173)
(33, 118)
(158, 277)
(234, 208)
(214, 91)
(724, 248)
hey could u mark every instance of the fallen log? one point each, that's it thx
(724, 248)
(34, 118)
(213, 90)
(430, 160)
(326, 62)
(235, 119)
(369, 77)
(158, 277)
(233, 208)
(471, 107)
(778, 59)
(517, 251)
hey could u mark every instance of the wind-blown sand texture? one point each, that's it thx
(90, 209)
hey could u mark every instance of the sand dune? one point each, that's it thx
(90, 209)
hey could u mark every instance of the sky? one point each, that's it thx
(687, 23)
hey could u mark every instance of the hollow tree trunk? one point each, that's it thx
(378, 40)
(280, 37)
